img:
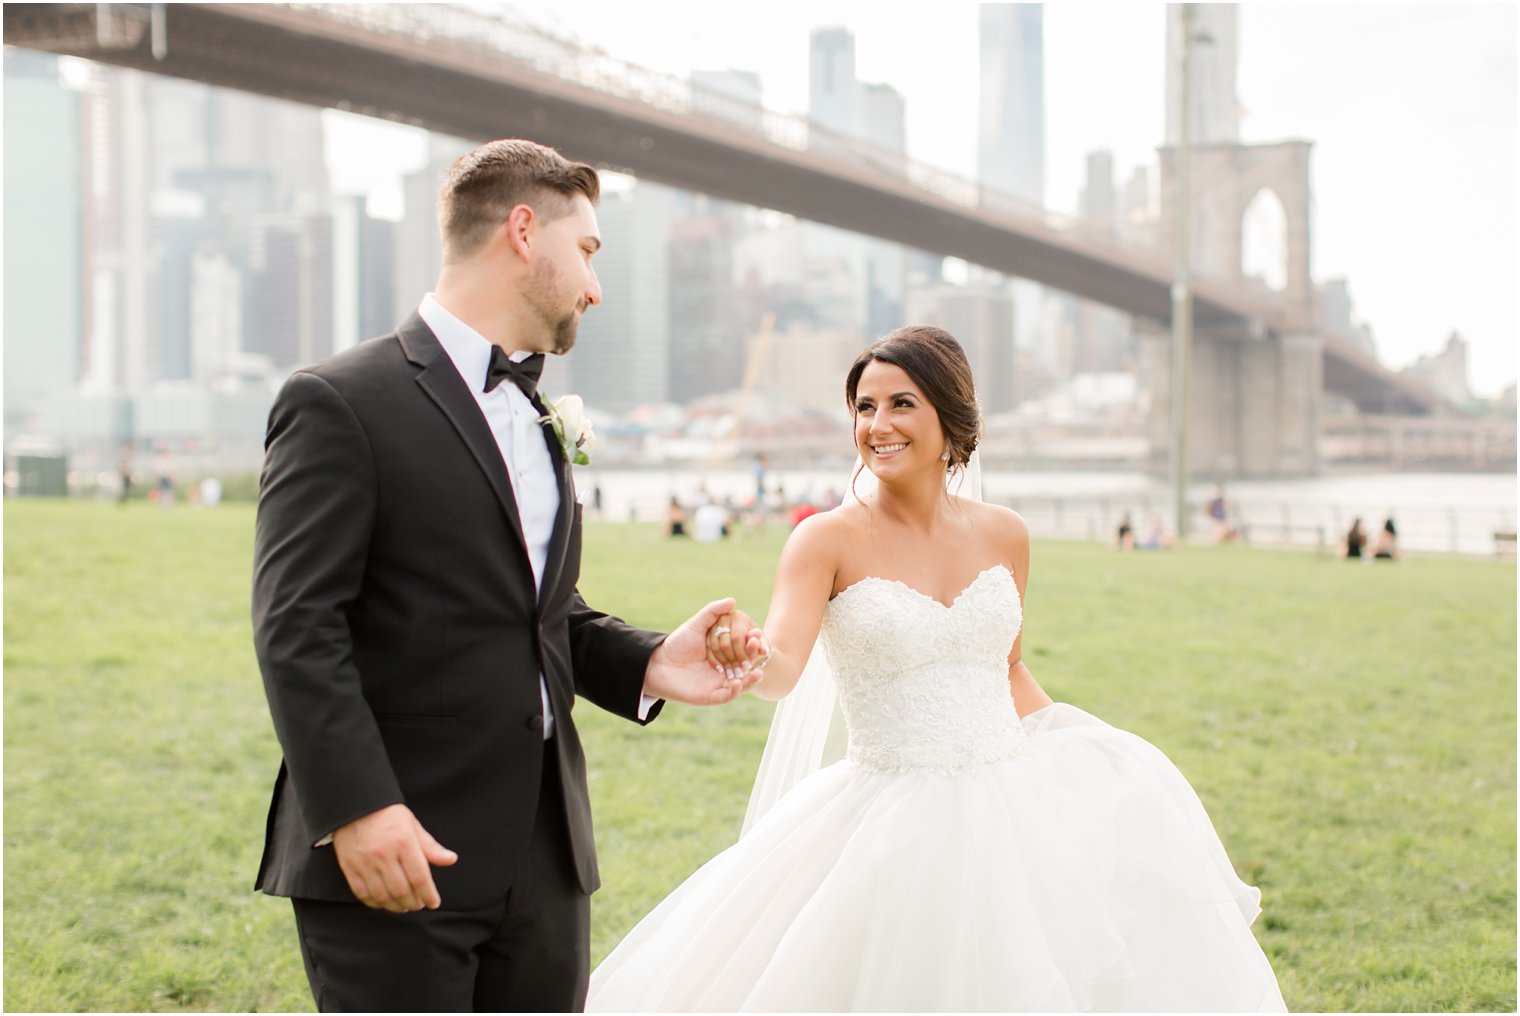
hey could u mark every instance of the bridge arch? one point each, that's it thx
(1226, 180)
(1264, 240)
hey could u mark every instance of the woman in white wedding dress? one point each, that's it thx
(979, 848)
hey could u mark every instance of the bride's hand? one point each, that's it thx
(736, 645)
(680, 669)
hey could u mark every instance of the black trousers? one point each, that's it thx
(530, 952)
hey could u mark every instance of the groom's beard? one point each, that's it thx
(559, 332)
(564, 334)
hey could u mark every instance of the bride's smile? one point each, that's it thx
(895, 424)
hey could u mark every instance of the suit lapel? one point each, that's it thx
(554, 563)
(440, 380)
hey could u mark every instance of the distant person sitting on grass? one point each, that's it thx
(775, 503)
(1356, 539)
(675, 518)
(1125, 538)
(1155, 537)
(1387, 546)
(1219, 511)
(710, 523)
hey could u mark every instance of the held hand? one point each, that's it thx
(679, 669)
(385, 856)
(736, 645)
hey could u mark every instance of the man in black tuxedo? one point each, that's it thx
(420, 634)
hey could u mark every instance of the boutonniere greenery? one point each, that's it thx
(567, 415)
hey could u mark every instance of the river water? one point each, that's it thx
(1447, 512)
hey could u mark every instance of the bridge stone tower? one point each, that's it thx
(1254, 388)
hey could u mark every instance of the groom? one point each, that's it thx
(420, 634)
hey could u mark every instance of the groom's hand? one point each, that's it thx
(679, 669)
(386, 857)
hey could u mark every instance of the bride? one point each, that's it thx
(979, 847)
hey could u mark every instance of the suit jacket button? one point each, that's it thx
(536, 724)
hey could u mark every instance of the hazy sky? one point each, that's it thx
(1412, 111)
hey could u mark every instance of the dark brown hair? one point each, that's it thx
(482, 187)
(937, 364)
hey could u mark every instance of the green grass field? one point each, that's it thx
(1351, 729)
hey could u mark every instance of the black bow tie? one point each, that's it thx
(524, 373)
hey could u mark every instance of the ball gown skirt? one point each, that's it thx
(959, 859)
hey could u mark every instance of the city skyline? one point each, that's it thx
(224, 246)
(1353, 94)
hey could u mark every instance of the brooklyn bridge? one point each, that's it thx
(1260, 367)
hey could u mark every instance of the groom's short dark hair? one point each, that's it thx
(482, 187)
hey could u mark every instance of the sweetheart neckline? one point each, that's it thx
(919, 592)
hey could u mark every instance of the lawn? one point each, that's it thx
(1351, 729)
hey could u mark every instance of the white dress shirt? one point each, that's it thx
(519, 437)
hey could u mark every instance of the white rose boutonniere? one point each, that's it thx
(567, 415)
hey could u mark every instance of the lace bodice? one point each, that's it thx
(924, 686)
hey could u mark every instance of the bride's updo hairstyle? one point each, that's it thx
(937, 364)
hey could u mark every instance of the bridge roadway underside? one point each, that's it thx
(280, 52)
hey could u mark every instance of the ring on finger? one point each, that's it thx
(722, 629)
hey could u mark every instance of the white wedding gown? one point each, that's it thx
(958, 859)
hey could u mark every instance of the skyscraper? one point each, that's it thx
(419, 250)
(1011, 133)
(980, 316)
(1102, 339)
(44, 254)
(882, 119)
(833, 102)
(706, 348)
(200, 233)
(622, 353)
(853, 113)
(119, 357)
(1216, 110)
(289, 311)
(377, 277)
(187, 220)
(1099, 203)
(223, 162)
(1137, 223)
(833, 90)
(1011, 112)
(363, 272)
(214, 312)
(883, 116)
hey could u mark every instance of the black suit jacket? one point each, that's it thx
(398, 629)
